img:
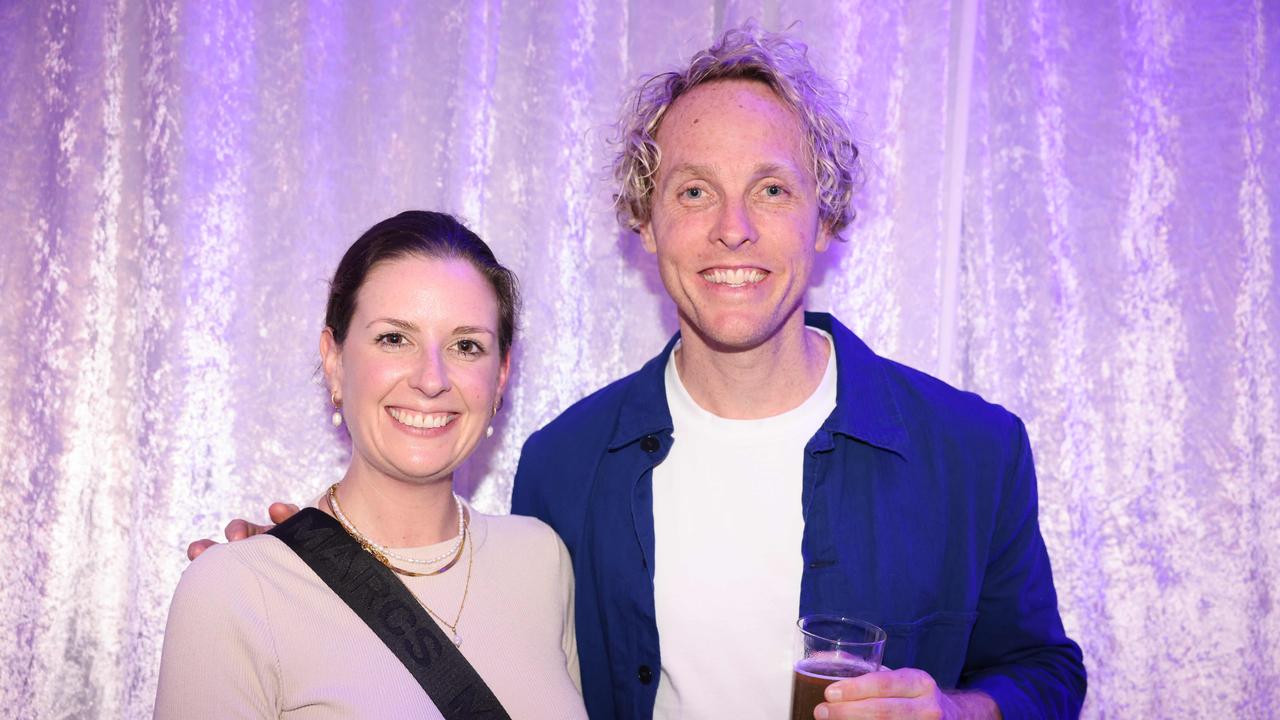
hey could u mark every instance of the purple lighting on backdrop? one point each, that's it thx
(1077, 218)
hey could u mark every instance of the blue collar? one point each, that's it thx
(865, 407)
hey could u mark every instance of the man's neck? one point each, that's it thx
(776, 376)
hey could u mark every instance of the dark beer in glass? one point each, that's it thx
(831, 648)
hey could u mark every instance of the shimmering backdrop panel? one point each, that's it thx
(1070, 208)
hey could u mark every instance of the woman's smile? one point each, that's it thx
(415, 420)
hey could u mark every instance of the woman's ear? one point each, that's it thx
(504, 372)
(331, 362)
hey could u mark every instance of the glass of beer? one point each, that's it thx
(831, 648)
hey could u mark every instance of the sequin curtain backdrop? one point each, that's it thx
(1071, 208)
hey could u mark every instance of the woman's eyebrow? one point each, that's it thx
(394, 322)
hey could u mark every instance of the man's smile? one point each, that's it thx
(734, 277)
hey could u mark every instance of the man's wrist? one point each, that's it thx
(971, 705)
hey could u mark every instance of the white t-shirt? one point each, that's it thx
(728, 524)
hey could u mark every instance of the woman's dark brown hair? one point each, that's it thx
(428, 234)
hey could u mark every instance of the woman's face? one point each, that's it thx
(419, 373)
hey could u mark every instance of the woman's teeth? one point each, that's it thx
(421, 420)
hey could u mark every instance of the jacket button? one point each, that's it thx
(650, 444)
(644, 675)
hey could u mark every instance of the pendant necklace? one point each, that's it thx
(379, 552)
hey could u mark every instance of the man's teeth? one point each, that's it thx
(422, 420)
(736, 277)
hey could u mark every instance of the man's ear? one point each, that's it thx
(331, 361)
(646, 236)
(825, 235)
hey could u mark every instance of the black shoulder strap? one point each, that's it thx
(394, 615)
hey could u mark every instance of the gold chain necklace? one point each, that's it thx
(466, 587)
(373, 550)
(378, 552)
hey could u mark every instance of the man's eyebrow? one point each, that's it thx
(691, 169)
(776, 169)
(762, 170)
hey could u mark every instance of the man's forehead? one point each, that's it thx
(731, 123)
(715, 100)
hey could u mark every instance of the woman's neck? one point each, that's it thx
(395, 513)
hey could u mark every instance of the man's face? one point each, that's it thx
(734, 218)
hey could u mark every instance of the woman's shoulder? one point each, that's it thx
(513, 523)
(234, 563)
(246, 579)
(522, 534)
(224, 585)
(517, 527)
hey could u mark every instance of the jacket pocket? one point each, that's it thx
(936, 643)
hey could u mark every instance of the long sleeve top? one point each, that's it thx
(253, 632)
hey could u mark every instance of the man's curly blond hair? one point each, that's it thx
(745, 53)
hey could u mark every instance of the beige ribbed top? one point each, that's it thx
(254, 633)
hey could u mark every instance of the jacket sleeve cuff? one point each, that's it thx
(1011, 699)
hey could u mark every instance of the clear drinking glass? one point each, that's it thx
(831, 648)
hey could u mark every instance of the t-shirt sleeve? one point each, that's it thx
(219, 658)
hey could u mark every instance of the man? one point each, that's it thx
(768, 464)
(768, 461)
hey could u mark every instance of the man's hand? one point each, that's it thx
(903, 693)
(240, 529)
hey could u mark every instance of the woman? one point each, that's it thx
(416, 354)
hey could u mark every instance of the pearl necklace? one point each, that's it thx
(384, 554)
(381, 554)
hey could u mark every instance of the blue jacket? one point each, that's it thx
(920, 516)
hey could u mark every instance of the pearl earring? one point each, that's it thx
(336, 418)
(493, 414)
